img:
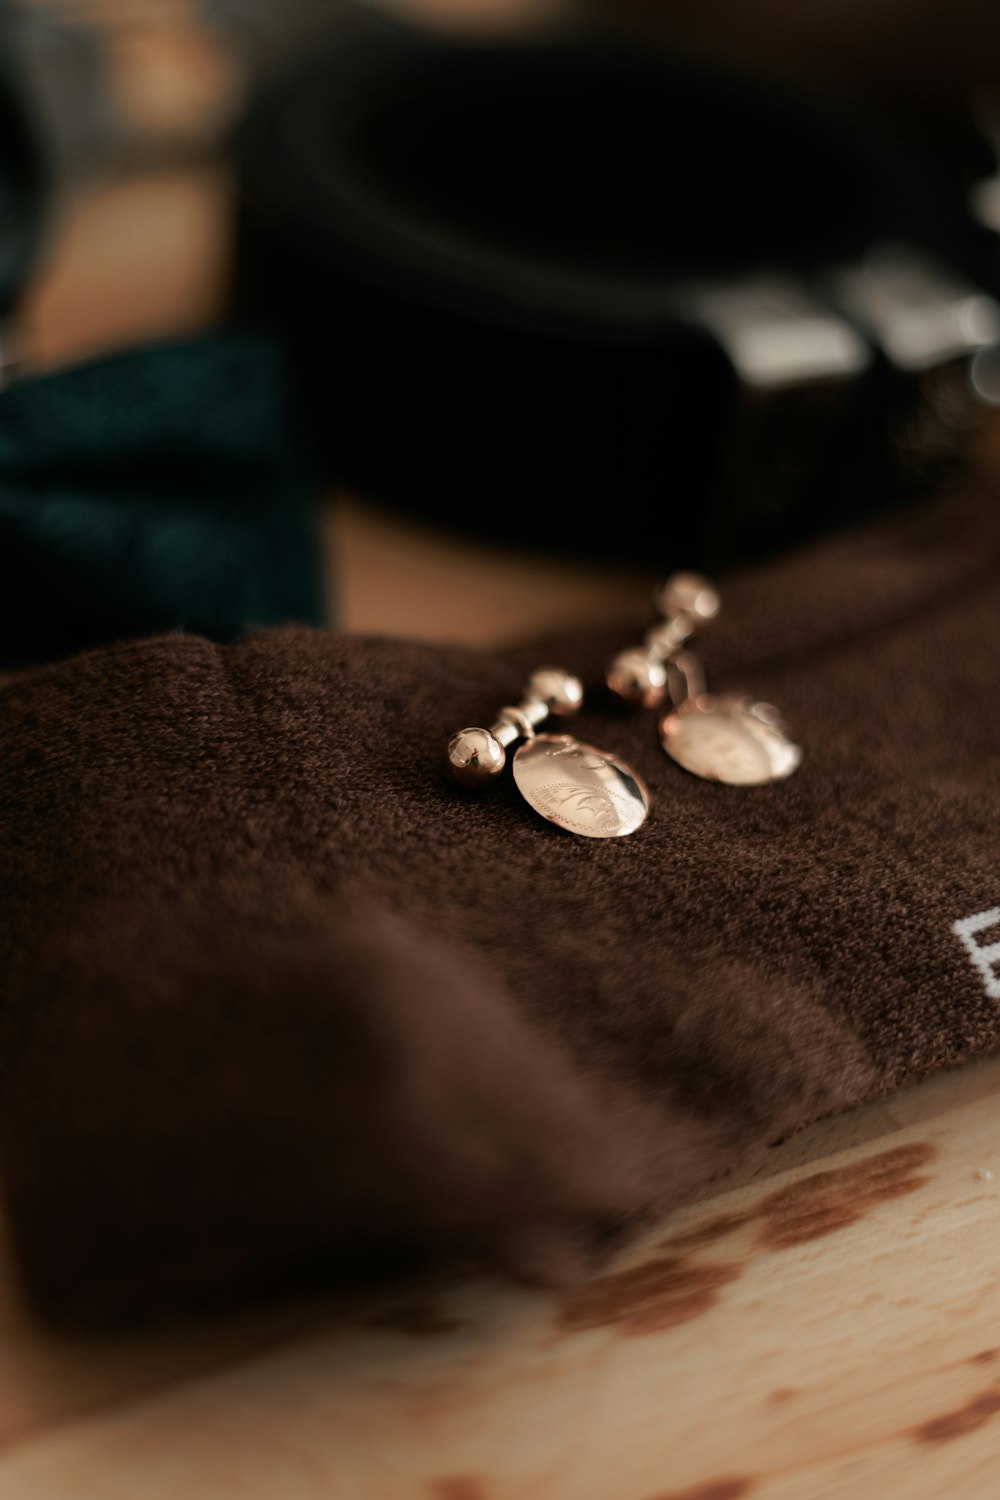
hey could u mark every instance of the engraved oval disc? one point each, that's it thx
(581, 789)
(729, 739)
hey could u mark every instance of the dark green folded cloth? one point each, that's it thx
(156, 489)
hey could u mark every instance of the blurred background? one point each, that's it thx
(556, 297)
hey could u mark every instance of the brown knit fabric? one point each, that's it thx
(277, 998)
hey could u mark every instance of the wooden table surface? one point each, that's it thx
(828, 1328)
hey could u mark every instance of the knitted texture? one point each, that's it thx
(277, 999)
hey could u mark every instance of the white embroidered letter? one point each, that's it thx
(986, 956)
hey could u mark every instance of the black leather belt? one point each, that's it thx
(586, 297)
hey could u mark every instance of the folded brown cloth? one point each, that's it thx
(278, 1001)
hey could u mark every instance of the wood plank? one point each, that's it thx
(827, 1330)
(393, 575)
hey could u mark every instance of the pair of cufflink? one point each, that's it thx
(719, 737)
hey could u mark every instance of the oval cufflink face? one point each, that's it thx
(729, 739)
(579, 788)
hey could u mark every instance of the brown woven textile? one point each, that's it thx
(277, 998)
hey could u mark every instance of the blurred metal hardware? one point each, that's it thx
(919, 314)
(799, 374)
(895, 334)
(938, 338)
(798, 369)
(775, 332)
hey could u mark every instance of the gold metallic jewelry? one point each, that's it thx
(719, 737)
(579, 788)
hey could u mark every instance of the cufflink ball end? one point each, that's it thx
(473, 757)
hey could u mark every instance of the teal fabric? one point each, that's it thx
(158, 489)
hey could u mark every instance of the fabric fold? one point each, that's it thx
(278, 1000)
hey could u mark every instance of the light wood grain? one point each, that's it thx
(863, 1361)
